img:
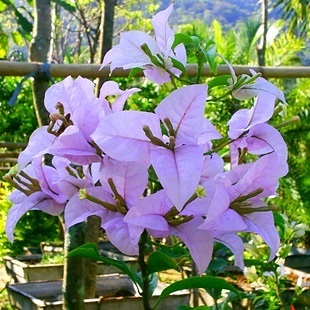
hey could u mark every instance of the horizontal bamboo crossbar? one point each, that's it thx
(10, 68)
(8, 160)
(13, 145)
(9, 155)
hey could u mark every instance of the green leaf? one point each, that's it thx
(66, 5)
(217, 265)
(233, 296)
(216, 294)
(181, 38)
(89, 250)
(279, 221)
(23, 21)
(196, 41)
(210, 53)
(2, 6)
(153, 280)
(17, 38)
(7, 2)
(221, 80)
(4, 45)
(159, 261)
(176, 251)
(133, 72)
(148, 52)
(252, 262)
(205, 282)
(177, 64)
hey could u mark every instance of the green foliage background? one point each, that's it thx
(17, 121)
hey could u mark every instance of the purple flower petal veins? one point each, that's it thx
(121, 136)
(184, 108)
(179, 171)
(130, 179)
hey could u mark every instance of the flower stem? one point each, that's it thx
(143, 269)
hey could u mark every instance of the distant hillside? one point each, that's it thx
(228, 12)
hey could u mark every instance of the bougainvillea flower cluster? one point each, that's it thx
(104, 158)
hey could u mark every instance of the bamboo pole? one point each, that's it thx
(12, 145)
(10, 68)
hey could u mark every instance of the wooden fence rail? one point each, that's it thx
(9, 152)
(10, 68)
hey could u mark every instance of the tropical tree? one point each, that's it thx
(76, 31)
(297, 13)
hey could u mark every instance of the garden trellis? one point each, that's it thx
(9, 68)
(9, 150)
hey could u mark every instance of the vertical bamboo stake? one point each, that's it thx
(39, 52)
(91, 235)
(73, 282)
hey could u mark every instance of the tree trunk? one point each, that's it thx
(261, 48)
(91, 235)
(73, 282)
(106, 34)
(39, 53)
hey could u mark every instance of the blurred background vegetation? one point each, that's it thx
(237, 28)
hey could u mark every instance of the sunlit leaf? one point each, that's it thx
(181, 38)
(4, 45)
(17, 38)
(2, 7)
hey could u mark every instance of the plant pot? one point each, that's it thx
(27, 268)
(113, 292)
